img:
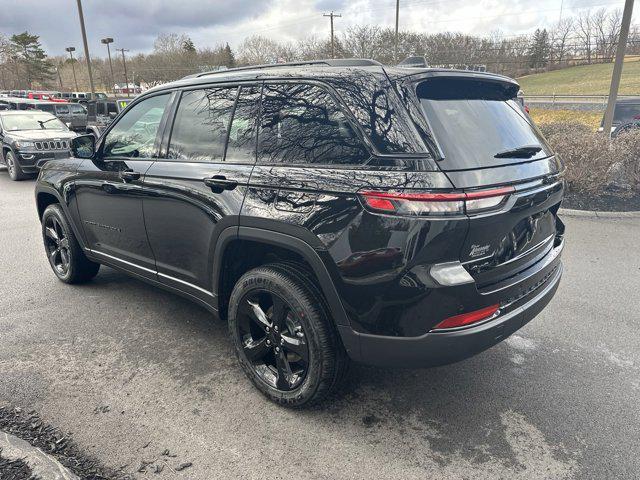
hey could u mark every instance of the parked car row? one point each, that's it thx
(54, 96)
(91, 117)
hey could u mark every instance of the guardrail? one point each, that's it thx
(554, 98)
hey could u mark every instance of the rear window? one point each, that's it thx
(479, 123)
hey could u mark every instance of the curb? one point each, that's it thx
(569, 212)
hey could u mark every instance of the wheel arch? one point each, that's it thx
(299, 250)
(46, 196)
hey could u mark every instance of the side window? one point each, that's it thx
(62, 110)
(77, 109)
(135, 133)
(302, 125)
(201, 125)
(241, 147)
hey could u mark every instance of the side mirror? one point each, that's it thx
(69, 125)
(83, 146)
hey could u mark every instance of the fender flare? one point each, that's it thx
(65, 208)
(288, 242)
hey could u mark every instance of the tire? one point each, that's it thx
(13, 167)
(307, 338)
(66, 258)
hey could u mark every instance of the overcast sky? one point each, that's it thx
(134, 24)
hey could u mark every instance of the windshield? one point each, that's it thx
(479, 123)
(32, 121)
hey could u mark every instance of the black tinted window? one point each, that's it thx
(201, 125)
(135, 133)
(241, 147)
(479, 124)
(62, 109)
(301, 124)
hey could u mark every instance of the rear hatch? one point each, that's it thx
(487, 141)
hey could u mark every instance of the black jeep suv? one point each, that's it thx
(327, 211)
(29, 139)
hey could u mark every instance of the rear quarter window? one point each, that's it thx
(301, 124)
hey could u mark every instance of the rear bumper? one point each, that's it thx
(441, 348)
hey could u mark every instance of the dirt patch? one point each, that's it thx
(603, 202)
(29, 427)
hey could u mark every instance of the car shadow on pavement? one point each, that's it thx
(494, 407)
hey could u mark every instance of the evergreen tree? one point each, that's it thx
(188, 46)
(32, 58)
(228, 58)
(540, 49)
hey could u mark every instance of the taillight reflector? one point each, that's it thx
(468, 318)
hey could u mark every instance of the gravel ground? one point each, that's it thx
(14, 469)
(138, 375)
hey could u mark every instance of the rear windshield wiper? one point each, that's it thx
(527, 151)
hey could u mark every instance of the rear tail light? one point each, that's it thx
(435, 203)
(469, 318)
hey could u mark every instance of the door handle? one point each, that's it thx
(220, 182)
(129, 175)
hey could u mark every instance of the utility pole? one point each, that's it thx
(107, 41)
(59, 76)
(124, 62)
(86, 49)
(617, 66)
(73, 68)
(395, 48)
(331, 17)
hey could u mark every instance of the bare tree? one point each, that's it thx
(584, 31)
(560, 35)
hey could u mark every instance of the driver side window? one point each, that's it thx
(135, 134)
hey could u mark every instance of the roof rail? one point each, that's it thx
(338, 62)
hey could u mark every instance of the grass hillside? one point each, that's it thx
(583, 80)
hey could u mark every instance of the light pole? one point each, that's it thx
(73, 68)
(124, 63)
(86, 48)
(107, 41)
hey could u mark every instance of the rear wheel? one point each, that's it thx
(13, 167)
(283, 336)
(65, 255)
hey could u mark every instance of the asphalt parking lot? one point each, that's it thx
(131, 371)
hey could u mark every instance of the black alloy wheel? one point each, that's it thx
(284, 336)
(273, 340)
(57, 246)
(64, 253)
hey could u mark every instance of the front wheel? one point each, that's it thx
(65, 254)
(13, 167)
(283, 336)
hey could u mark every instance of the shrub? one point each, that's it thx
(589, 156)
